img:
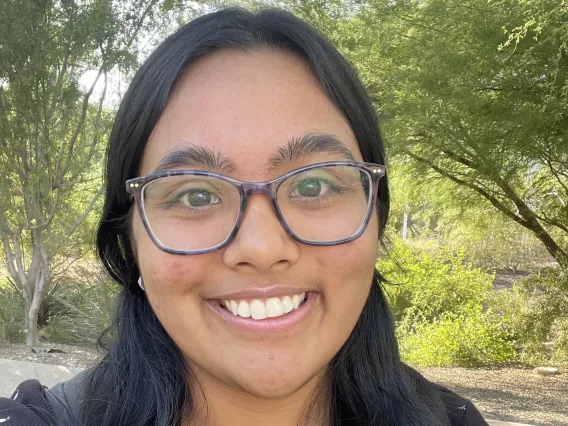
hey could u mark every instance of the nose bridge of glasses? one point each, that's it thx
(266, 188)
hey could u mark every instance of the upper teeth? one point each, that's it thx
(259, 309)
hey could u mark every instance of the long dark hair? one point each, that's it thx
(143, 379)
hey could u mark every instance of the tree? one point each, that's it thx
(52, 131)
(473, 91)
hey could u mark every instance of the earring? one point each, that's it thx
(141, 284)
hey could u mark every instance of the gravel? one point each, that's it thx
(506, 394)
(74, 356)
(509, 394)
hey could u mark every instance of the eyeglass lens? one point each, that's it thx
(322, 204)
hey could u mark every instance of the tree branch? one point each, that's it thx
(78, 222)
(492, 199)
(555, 174)
(526, 217)
(10, 261)
(97, 122)
(57, 87)
(552, 222)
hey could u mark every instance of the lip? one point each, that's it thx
(268, 325)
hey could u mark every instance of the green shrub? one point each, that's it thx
(535, 309)
(559, 338)
(439, 304)
(492, 241)
(427, 284)
(12, 319)
(75, 310)
(466, 340)
(79, 308)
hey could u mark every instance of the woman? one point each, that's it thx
(246, 195)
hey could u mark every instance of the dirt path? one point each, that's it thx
(509, 394)
(72, 356)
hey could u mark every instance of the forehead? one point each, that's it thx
(245, 106)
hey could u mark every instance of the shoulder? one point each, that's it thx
(32, 404)
(461, 411)
(28, 406)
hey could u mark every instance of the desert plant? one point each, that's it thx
(439, 303)
(536, 311)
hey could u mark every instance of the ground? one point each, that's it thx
(74, 356)
(508, 394)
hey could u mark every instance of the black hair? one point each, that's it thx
(143, 379)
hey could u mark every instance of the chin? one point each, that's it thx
(272, 386)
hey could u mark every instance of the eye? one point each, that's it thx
(199, 197)
(312, 187)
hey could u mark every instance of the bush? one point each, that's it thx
(559, 338)
(78, 308)
(439, 304)
(463, 340)
(427, 284)
(492, 241)
(75, 310)
(535, 309)
(12, 325)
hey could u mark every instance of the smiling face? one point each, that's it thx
(251, 111)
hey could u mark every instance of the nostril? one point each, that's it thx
(282, 262)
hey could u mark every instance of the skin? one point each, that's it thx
(246, 105)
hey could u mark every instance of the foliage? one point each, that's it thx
(53, 130)
(439, 215)
(75, 310)
(492, 242)
(11, 314)
(439, 304)
(535, 310)
(79, 308)
(473, 97)
(470, 339)
(425, 285)
(472, 91)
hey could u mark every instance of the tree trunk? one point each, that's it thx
(31, 332)
(26, 309)
(37, 279)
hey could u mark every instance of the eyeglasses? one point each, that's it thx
(195, 211)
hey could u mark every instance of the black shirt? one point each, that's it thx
(35, 405)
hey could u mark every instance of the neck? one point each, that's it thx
(220, 404)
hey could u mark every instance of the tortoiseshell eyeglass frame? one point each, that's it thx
(269, 188)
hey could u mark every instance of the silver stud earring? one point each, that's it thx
(141, 284)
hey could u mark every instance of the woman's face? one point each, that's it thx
(245, 108)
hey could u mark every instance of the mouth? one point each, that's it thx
(259, 309)
(273, 314)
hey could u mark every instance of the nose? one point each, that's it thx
(261, 243)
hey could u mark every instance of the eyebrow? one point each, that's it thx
(306, 145)
(295, 149)
(194, 156)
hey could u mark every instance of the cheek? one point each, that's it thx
(353, 261)
(171, 274)
(347, 272)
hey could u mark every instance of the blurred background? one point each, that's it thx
(473, 101)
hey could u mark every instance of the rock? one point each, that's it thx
(48, 351)
(55, 351)
(546, 371)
